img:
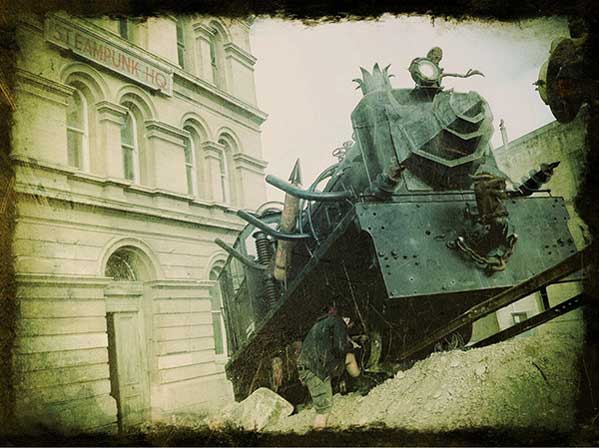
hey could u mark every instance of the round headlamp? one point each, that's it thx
(424, 71)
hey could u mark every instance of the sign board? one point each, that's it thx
(110, 55)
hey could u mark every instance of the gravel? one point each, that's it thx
(524, 383)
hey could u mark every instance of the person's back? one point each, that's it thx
(324, 348)
(325, 352)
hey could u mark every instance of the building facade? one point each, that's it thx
(134, 144)
(550, 143)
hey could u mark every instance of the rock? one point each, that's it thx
(480, 371)
(258, 410)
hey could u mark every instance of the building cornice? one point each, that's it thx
(201, 29)
(110, 41)
(44, 87)
(63, 280)
(212, 149)
(255, 114)
(110, 111)
(166, 132)
(247, 161)
(178, 284)
(236, 52)
(228, 222)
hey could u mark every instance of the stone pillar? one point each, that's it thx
(162, 37)
(213, 152)
(40, 121)
(203, 34)
(250, 174)
(240, 72)
(165, 156)
(110, 118)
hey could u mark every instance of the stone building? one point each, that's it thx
(134, 143)
(550, 143)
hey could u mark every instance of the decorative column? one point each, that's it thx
(203, 35)
(40, 130)
(250, 173)
(162, 37)
(110, 119)
(165, 156)
(213, 152)
(240, 72)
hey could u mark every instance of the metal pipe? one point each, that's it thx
(269, 230)
(234, 253)
(309, 195)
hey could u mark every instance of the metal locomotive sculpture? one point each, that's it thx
(416, 234)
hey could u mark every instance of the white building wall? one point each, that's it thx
(70, 221)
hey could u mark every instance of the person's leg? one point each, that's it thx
(322, 397)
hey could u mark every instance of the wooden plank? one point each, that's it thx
(187, 372)
(53, 308)
(64, 325)
(179, 319)
(50, 360)
(62, 376)
(185, 332)
(567, 266)
(185, 345)
(61, 393)
(37, 344)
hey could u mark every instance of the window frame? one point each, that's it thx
(134, 148)
(180, 36)
(215, 271)
(83, 132)
(224, 178)
(190, 165)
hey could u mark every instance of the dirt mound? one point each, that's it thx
(528, 382)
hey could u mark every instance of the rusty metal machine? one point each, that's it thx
(414, 231)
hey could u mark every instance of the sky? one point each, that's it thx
(304, 77)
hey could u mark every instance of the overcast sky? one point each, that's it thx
(304, 77)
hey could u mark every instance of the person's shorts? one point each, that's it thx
(320, 391)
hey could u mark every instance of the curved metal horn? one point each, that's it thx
(308, 195)
(269, 230)
(234, 253)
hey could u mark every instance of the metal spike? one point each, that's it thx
(296, 174)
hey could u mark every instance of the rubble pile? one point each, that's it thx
(528, 382)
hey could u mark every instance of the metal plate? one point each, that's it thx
(410, 239)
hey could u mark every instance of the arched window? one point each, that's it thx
(77, 131)
(226, 169)
(130, 147)
(217, 57)
(121, 266)
(218, 322)
(224, 178)
(190, 164)
(180, 43)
